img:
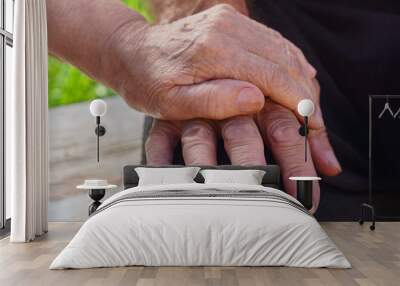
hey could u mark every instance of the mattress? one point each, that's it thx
(201, 225)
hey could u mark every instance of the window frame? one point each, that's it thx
(6, 39)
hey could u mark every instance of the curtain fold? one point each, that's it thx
(26, 123)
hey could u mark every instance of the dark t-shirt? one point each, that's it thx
(355, 47)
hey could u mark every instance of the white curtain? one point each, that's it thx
(26, 123)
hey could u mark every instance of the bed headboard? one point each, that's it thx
(272, 177)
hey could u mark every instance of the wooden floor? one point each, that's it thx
(375, 257)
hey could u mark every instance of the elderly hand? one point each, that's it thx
(242, 139)
(244, 144)
(215, 64)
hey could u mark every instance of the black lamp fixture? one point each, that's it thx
(305, 109)
(98, 108)
(305, 184)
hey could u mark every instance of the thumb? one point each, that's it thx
(215, 99)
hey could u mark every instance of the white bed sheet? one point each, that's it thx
(200, 232)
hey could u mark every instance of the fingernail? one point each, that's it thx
(250, 100)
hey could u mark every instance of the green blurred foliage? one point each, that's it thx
(69, 85)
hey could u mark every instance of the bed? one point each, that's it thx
(198, 224)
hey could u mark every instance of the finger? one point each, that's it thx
(280, 131)
(271, 45)
(199, 143)
(265, 42)
(214, 99)
(273, 81)
(161, 143)
(283, 56)
(242, 140)
(277, 52)
(322, 152)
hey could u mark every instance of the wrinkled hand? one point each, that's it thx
(244, 144)
(215, 64)
(243, 141)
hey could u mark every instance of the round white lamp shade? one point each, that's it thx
(305, 107)
(98, 107)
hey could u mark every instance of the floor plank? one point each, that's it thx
(375, 256)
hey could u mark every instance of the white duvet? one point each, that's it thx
(192, 231)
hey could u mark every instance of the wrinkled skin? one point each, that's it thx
(214, 64)
(244, 139)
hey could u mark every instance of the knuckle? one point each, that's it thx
(197, 131)
(207, 42)
(284, 133)
(234, 130)
(162, 135)
(224, 9)
(163, 128)
(222, 16)
(198, 137)
(243, 141)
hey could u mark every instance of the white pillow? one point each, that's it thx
(163, 176)
(248, 177)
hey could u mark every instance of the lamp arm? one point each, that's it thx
(98, 138)
(305, 137)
